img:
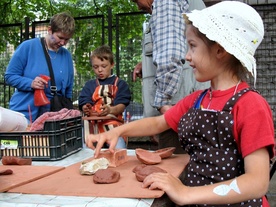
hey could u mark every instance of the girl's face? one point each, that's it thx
(200, 56)
(102, 68)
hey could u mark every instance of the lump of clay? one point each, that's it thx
(142, 171)
(115, 159)
(12, 160)
(165, 152)
(106, 176)
(138, 168)
(147, 157)
(90, 168)
(6, 172)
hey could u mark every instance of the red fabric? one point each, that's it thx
(64, 113)
(253, 120)
(265, 202)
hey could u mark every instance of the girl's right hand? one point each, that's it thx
(109, 137)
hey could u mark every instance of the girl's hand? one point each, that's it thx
(109, 137)
(173, 187)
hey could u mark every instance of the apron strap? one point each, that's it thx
(231, 102)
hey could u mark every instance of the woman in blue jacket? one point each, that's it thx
(29, 63)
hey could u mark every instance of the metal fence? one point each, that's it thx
(13, 34)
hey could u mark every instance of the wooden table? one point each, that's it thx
(9, 199)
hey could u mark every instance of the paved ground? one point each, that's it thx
(145, 143)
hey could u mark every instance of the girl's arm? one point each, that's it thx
(253, 184)
(143, 127)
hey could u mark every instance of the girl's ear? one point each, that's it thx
(220, 51)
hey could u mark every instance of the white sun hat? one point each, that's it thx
(236, 26)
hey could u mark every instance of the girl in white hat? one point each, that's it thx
(227, 129)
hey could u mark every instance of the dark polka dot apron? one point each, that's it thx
(207, 137)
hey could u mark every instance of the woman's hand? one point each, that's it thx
(39, 83)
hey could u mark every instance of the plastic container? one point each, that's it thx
(58, 140)
(12, 120)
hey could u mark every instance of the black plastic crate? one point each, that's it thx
(58, 140)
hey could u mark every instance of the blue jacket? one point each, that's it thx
(28, 62)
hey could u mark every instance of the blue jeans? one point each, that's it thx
(121, 144)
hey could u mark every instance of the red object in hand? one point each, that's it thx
(40, 98)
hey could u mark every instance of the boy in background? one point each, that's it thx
(107, 95)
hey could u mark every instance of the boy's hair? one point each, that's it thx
(63, 22)
(103, 53)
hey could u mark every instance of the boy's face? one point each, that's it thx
(102, 68)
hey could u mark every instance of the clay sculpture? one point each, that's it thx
(147, 157)
(155, 157)
(165, 152)
(115, 159)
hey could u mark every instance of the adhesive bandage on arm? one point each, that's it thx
(223, 190)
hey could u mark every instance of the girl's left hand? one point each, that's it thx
(173, 186)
